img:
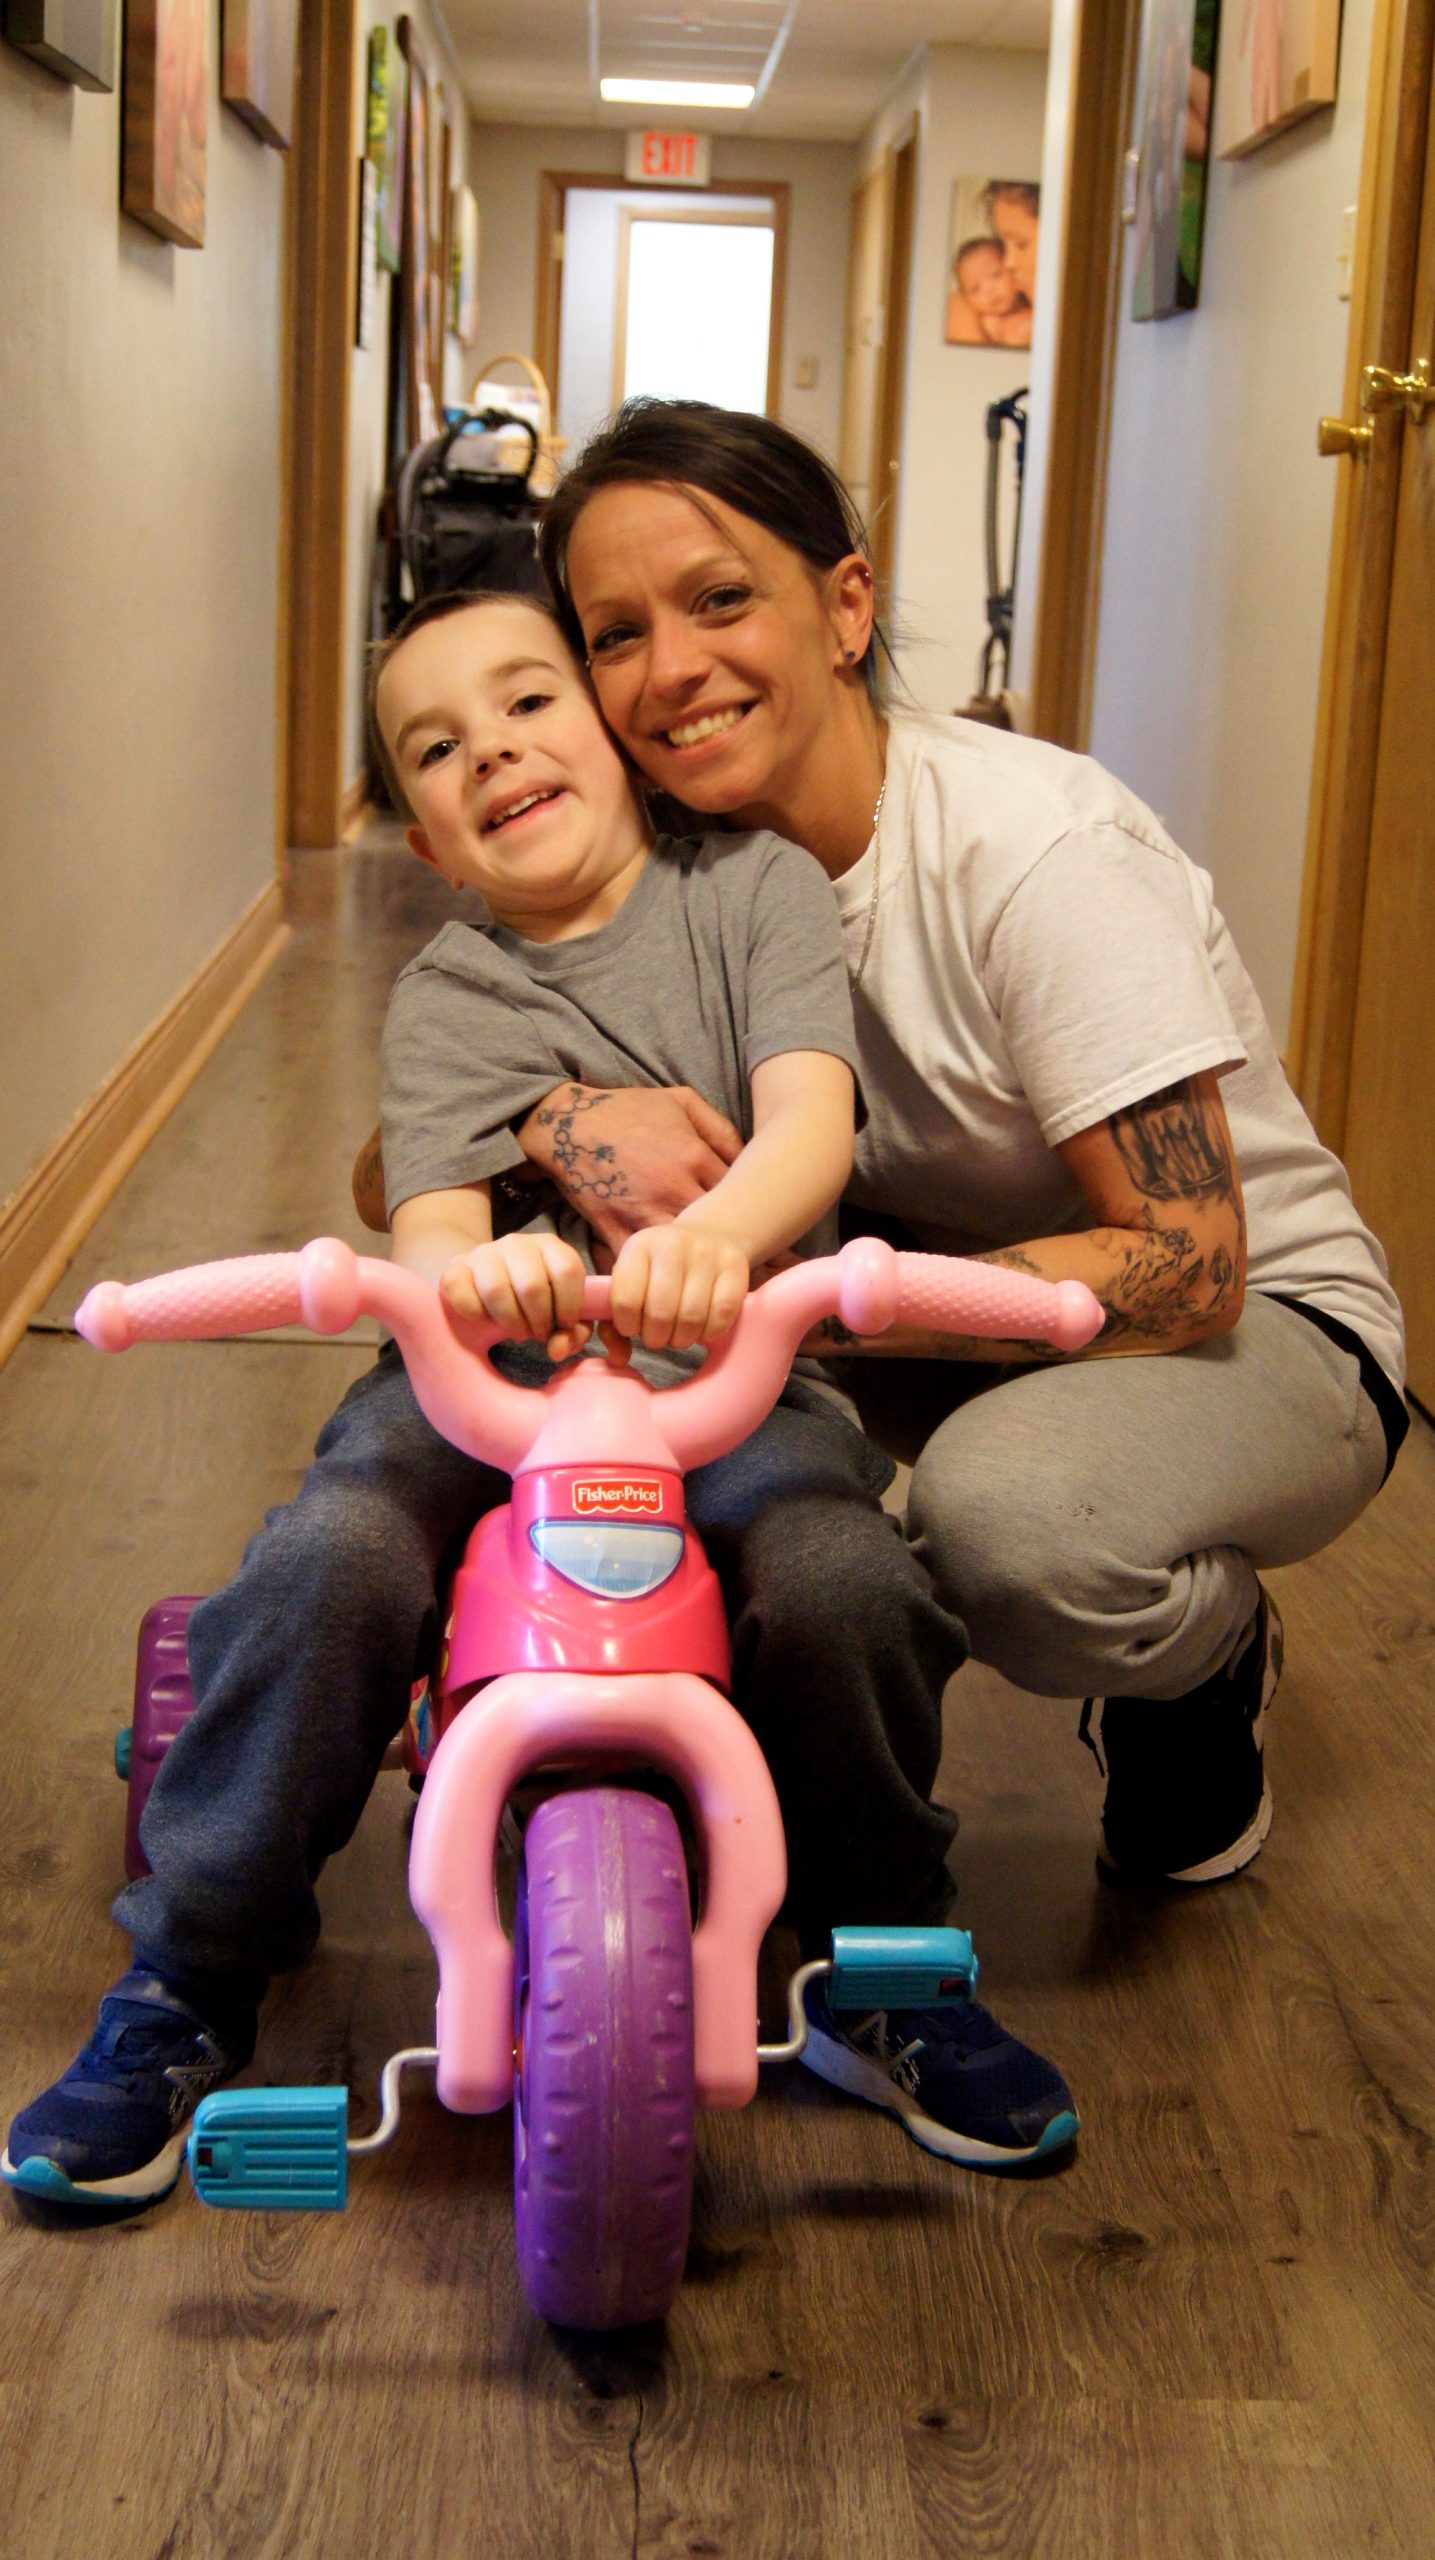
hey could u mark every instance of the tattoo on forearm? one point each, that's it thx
(585, 1167)
(1156, 1288)
(1171, 1146)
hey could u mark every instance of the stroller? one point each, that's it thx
(988, 703)
(459, 514)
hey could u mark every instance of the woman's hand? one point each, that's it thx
(678, 1284)
(531, 1285)
(631, 1157)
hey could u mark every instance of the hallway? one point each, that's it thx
(1213, 2334)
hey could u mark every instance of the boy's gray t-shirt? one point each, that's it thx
(726, 951)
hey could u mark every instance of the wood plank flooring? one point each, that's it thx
(1212, 2336)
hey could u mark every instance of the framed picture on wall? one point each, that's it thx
(384, 142)
(76, 39)
(420, 400)
(443, 249)
(366, 299)
(991, 262)
(1278, 62)
(256, 74)
(1173, 148)
(463, 267)
(166, 117)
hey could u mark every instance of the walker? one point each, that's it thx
(586, 1627)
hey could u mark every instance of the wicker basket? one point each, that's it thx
(533, 401)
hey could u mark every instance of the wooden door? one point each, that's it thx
(863, 375)
(1390, 1121)
(1363, 1034)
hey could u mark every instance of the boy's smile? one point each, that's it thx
(516, 788)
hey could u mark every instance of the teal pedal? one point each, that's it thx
(901, 1968)
(280, 2150)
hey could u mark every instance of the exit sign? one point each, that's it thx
(678, 159)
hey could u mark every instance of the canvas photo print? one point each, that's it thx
(991, 262)
(1173, 143)
(1278, 62)
(166, 117)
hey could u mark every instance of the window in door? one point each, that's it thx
(694, 311)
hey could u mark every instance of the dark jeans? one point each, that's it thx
(303, 1666)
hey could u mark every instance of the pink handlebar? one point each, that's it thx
(591, 1413)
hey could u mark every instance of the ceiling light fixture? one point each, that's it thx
(676, 93)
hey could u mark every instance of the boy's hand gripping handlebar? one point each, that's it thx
(591, 1413)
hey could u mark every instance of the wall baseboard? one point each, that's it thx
(42, 1226)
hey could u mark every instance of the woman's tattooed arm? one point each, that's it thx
(1166, 1250)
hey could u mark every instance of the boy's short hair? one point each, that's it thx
(980, 240)
(432, 609)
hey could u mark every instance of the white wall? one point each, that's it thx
(1218, 525)
(139, 551)
(505, 163)
(1051, 249)
(980, 115)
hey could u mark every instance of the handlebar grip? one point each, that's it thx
(949, 1296)
(318, 1287)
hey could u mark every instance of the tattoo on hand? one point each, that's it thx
(1171, 1148)
(586, 1169)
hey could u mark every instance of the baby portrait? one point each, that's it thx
(991, 262)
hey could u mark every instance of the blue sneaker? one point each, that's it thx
(112, 2129)
(956, 2080)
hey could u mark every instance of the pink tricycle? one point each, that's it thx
(586, 1627)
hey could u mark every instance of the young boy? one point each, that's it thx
(604, 959)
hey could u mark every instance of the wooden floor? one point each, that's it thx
(1213, 2334)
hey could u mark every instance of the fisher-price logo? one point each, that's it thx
(607, 1494)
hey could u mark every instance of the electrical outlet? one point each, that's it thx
(804, 374)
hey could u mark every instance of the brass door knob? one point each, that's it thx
(1380, 389)
(1337, 435)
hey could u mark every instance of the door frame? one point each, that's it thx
(1393, 178)
(553, 186)
(322, 262)
(628, 214)
(904, 170)
(1105, 52)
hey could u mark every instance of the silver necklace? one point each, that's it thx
(854, 976)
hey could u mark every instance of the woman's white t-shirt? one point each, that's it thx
(1042, 954)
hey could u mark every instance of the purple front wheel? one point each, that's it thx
(603, 2084)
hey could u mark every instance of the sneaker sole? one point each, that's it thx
(844, 2069)
(1226, 1862)
(40, 2177)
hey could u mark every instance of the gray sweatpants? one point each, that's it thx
(1100, 1526)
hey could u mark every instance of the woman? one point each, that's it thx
(1012, 208)
(1065, 1068)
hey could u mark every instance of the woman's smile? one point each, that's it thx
(701, 727)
